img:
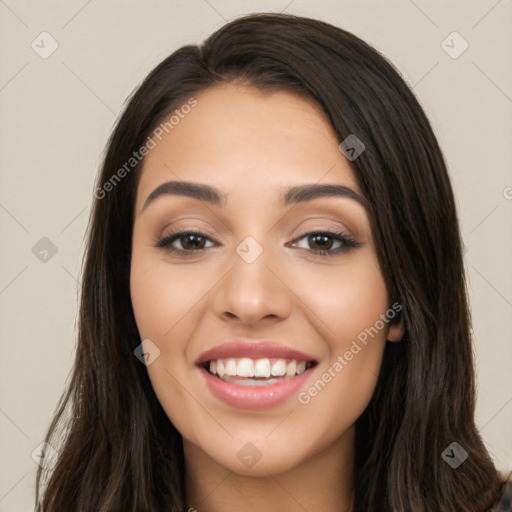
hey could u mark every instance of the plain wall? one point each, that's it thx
(57, 113)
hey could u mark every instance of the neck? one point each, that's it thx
(321, 482)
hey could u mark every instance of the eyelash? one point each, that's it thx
(347, 241)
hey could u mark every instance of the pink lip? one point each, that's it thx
(252, 349)
(253, 397)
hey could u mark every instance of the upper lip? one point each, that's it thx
(254, 350)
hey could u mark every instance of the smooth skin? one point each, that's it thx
(253, 145)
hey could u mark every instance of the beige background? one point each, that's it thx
(58, 112)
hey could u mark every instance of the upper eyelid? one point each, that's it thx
(333, 225)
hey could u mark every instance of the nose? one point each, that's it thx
(254, 291)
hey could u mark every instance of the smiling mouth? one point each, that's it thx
(246, 371)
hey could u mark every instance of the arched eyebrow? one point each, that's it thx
(199, 191)
(215, 196)
(301, 193)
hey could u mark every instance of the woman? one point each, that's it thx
(273, 310)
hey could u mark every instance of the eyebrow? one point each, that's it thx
(293, 195)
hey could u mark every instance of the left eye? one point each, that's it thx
(322, 242)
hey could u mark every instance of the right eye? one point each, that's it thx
(191, 242)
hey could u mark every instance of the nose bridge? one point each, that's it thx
(251, 290)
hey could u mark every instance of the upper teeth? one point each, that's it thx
(247, 367)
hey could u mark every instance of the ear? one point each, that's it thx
(395, 332)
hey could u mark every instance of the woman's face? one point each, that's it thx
(257, 298)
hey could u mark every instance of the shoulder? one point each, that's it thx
(504, 503)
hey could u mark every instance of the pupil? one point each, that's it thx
(193, 240)
(323, 240)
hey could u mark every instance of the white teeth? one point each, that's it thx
(231, 367)
(262, 368)
(301, 367)
(291, 369)
(245, 367)
(279, 368)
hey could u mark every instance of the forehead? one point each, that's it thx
(239, 138)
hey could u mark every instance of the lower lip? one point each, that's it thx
(254, 397)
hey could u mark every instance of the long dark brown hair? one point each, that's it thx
(118, 451)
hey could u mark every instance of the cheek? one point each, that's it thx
(349, 306)
(162, 294)
(345, 300)
(161, 300)
(168, 301)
